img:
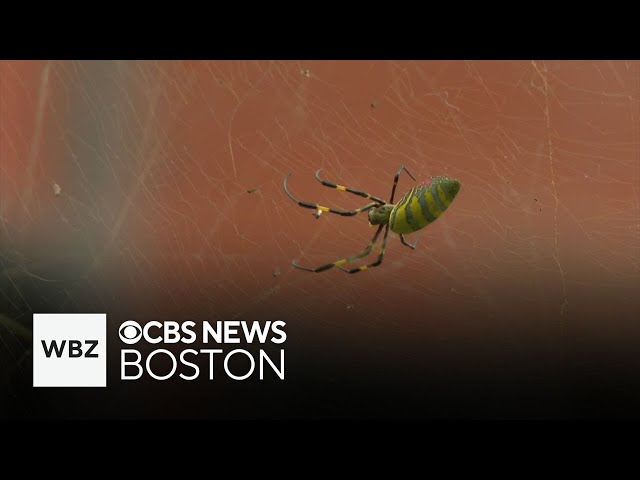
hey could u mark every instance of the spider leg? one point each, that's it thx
(395, 181)
(410, 245)
(363, 253)
(377, 262)
(320, 208)
(347, 189)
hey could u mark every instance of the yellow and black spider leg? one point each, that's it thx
(410, 245)
(363, 253)
(320, 208)
(347, 189)
(377, 262)
(395, 181)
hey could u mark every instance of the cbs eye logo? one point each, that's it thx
(130, 332)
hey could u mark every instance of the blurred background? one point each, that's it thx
(152, 190)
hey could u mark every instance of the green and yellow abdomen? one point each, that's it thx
(423, 205)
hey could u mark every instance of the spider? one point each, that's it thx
(419, 207)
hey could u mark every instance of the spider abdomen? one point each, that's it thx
(423, 205)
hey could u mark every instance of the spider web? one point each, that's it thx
(153, 190)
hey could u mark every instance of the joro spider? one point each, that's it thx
(419, 207)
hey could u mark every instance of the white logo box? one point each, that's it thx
(77, 348)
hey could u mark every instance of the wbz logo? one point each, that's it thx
(75, 348)
(69, 350)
